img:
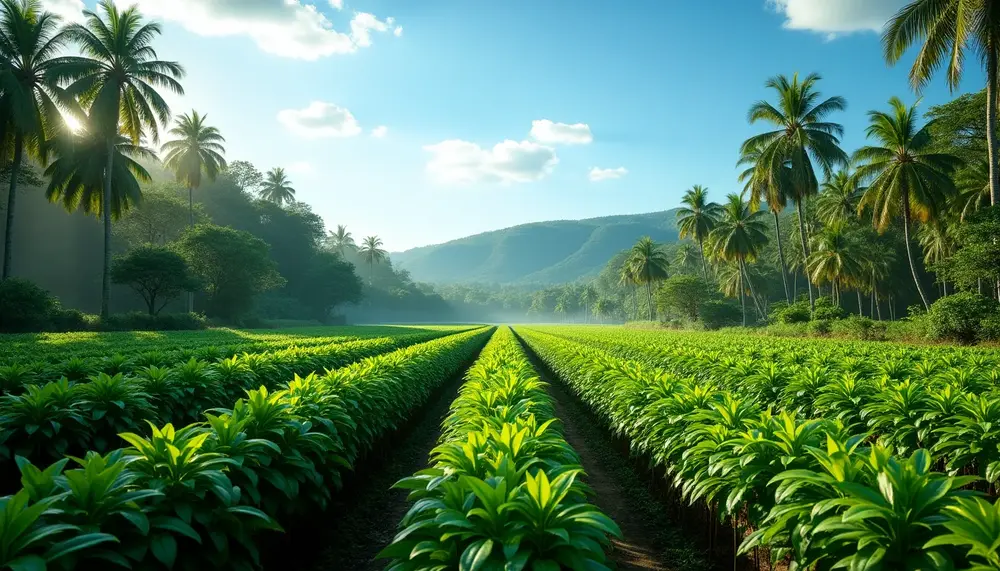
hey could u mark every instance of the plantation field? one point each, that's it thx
(532, 447)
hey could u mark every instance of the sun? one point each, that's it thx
(73, 123)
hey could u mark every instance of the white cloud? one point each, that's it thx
(286, 28)
(545, 131)
(597, 175)
(68, 10)
(380, 131)
(301, 168)
(320, 120)
(337, 4)
(457, 161)
(834, 17)
(398, 32)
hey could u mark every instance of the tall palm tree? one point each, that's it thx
(802, 137)
(30, 41)
(937, 238)
(973, 184)
(588, 297)
(950, 29)
(838, 199)
(739, 237)
(627, 279)
(371, 251)
(696, 218)
(197, 150)
(115, 80)
(835, 259)
(908, 179)
(277, 188)
(649, 264)
(760, 185)
(687, 257)
(341, 240)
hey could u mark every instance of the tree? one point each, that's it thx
(937, 239)
(246, 176)
(649, 264)
(838, 199)
(772, 188)
(803, 136)
(157, 273)
(30, 41)
(739, 237)
(159, 218)
(978, 258)
(604, 308)
(835, 259)
(276, 188)
(683, 294)
(588, 297)
(696, 218)
(115, 80)
(372, 253)
(950, 28)
(627, 279)
(330, 281)
(908, 179)
(341, 240)
(233, 266)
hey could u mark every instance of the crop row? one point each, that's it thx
(858, 485)
(199, 496)
(504, 490)
(43, 422)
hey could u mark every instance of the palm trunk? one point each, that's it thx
(649, 299)
(991, 122)
(861, 305)
(8, 238)
(753, 292)
(909, 248)
(805, 250)
(743, 300)
(781, 257)
(190, 294)
(704, 262)
(106, 211)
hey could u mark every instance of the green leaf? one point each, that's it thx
(164, 548)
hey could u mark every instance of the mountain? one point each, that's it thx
(553, 252)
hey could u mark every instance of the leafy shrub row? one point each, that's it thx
(504, 490)
(198, 497)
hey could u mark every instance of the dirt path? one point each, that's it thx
(651, 541)
(362, 518)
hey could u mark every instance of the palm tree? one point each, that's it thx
(648, 263)
(196, 150)
(973, 184)
(696, 218)
(802, 137)
(838, 199)
(687, 257)
(588, 297)
(950, 29)
(277, 188)
(739, 237)
(908, 178)
(30, 41)
(341, 240)
(115, 80)
(937, 238)
(836, 259)
(371, 251)
(774, 191)
(627, 279)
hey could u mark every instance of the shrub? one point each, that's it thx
(857, 327)
(68, 320)
(820, 327)
(990, 328)
(797, 312)
(24, 306)
(715, 314)
(139, 321)
(826, 310)
(959, 317)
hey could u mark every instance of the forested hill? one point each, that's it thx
(552, 252)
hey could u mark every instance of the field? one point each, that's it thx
(536, 447)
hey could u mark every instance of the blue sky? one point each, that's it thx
(497, 113)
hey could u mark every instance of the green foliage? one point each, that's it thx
(157, 273)
(24, 306)
(718, 313)
(797, 312)
(826, 309)
(959, 317)
(820, 327)
(159, 218)
(683, 295)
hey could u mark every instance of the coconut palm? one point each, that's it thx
(371, 251)
(838, 199)
(908, 179)
(197, 150)
(30, 41)
(836, 259)
(588, 297)
(738, 238)
(648, 264)
(774, 191)
(696, 218)
(277, 188)
(627, 279)
(115, 79)
(949, 30)
(801, 138)
(341, 240)
(937, 239)
(973, 184)
(687, 257)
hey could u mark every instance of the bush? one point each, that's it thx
(959, 317)
(826, 310)
(68, 320)
(821, 327)
(140, 321)
(990, 328)
(715, 314)
(797, 312)
(857, 327)
(24, 306)
(787, 329)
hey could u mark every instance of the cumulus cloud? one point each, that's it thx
(457, 161)
(301, 168)
(286, 28)
(68, 10)
(320, 120)
(337, 4)
(398, 31)
(597, 175)
(545, 131)
(380, 131)
(834, 17)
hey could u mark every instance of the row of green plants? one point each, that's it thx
(85, 411)
(852, 470)
(202, 495)
(504, 490)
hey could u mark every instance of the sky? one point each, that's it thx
(422, 121)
